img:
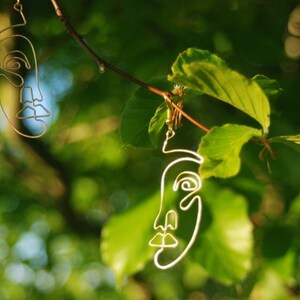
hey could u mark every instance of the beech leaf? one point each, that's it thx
(226, 248)
(137, 114)
(292, 141)
(269, 86)
(124, 245)
(157, 123)
(221, 148)
(206, 73)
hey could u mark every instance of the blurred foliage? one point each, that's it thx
(58, 192)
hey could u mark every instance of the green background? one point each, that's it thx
(61, 193)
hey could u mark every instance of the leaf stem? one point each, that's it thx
(263, 141)
(104, 64)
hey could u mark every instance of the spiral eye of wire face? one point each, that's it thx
(187, 181)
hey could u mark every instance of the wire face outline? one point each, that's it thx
(189, 182)
(13, 64)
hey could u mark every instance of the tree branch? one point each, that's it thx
(104, 64)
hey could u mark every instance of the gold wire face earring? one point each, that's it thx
(188, 182)
(13, 65)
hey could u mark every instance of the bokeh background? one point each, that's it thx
(57, 192)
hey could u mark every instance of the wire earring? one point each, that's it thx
(188, 182)
(14, 63)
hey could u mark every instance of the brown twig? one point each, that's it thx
(267, 147)
(104, 64)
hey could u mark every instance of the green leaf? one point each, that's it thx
(124, 245)
(191, 55)
(270, 286)
(292, 141)
(284, 266)
(125, 238)
(157, 123)
(221, 148)
(226, 248)
(269, 86)
(137, 114)
(293, 215)
(208, 74)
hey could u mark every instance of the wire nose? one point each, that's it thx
(163, 238)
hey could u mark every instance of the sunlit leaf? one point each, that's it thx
(221, 149)
(157, 123)
(293, 216)
(269, 86)
(284, 266)
(193, 55)
(124, 245)
(292, 141)
(226, 248)
(125, 237)
(208, 74)
(269, 286)
(138, 113)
